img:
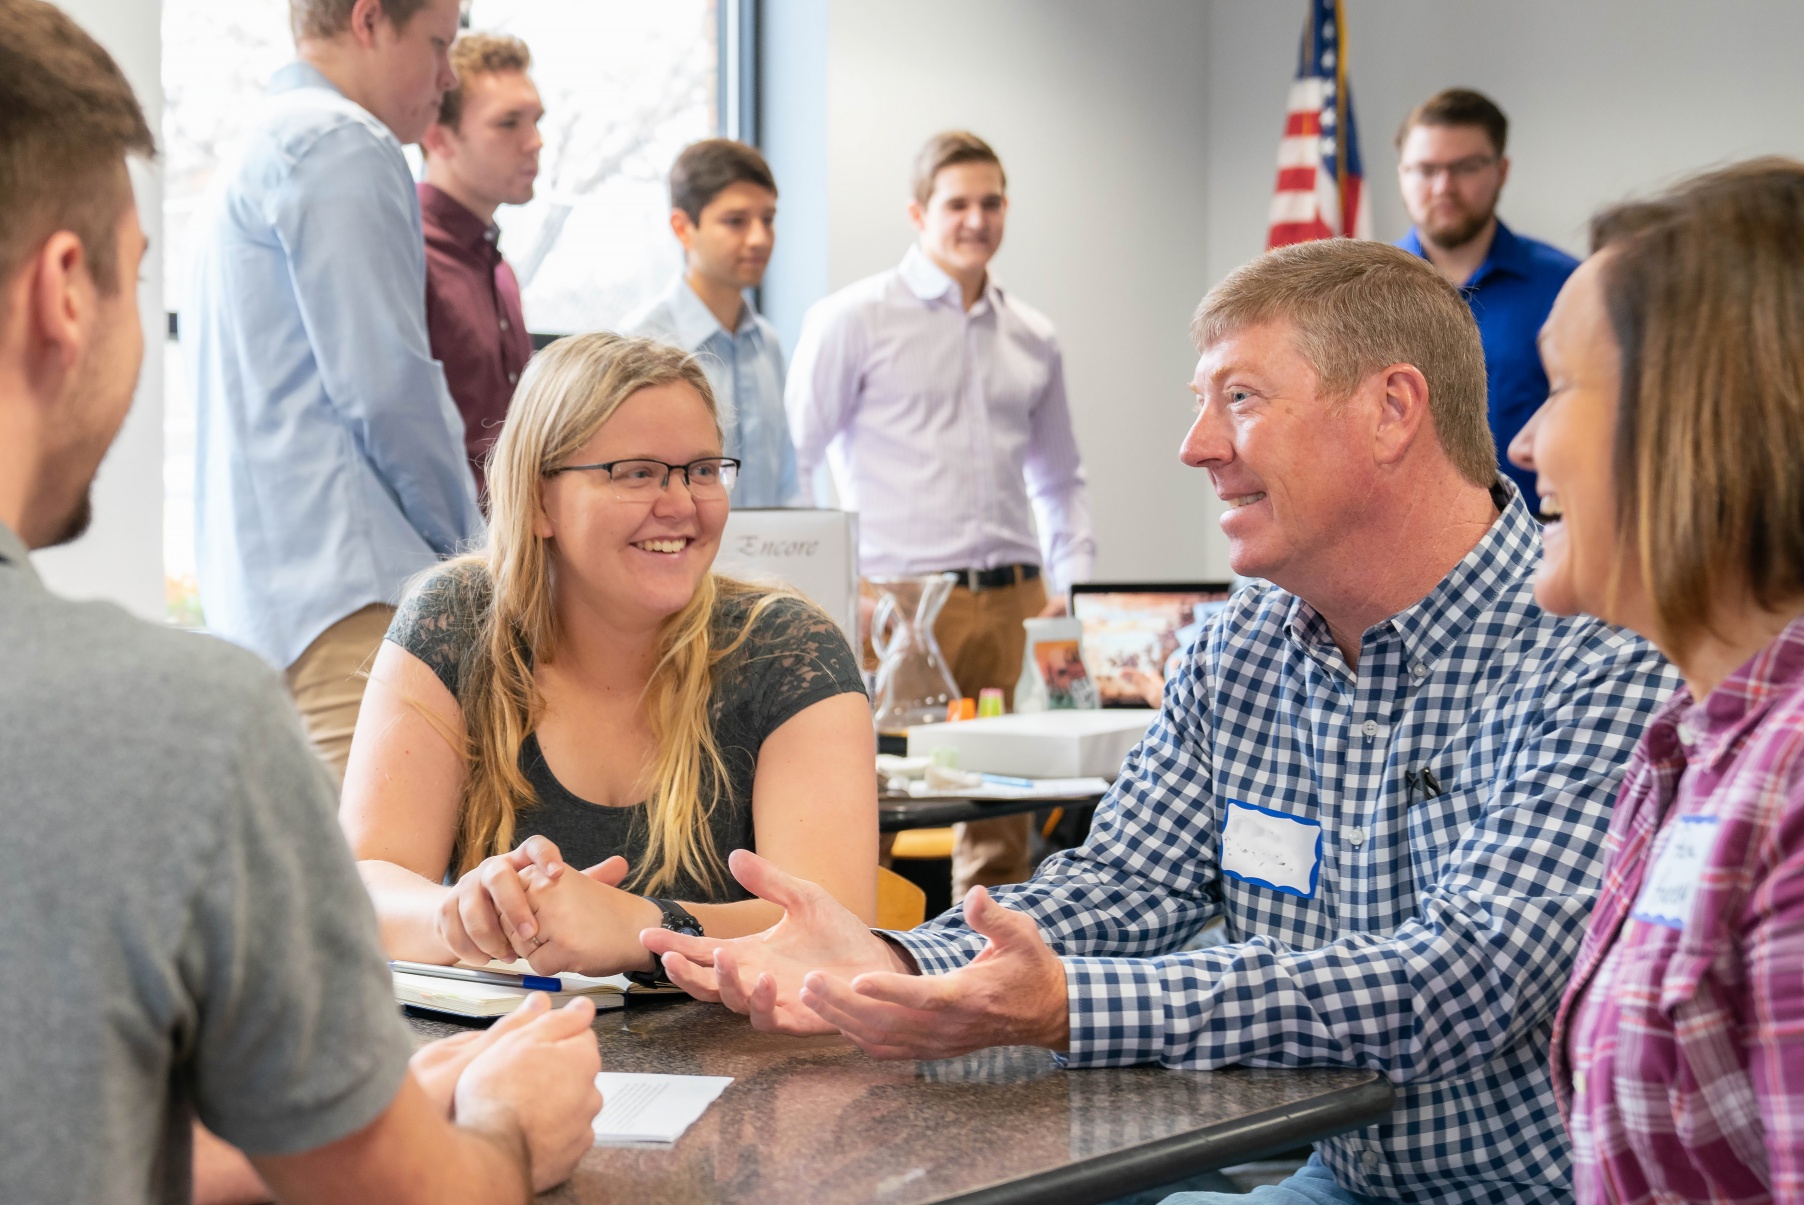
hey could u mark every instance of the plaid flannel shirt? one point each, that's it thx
(1679, 1052)
(1443, 923)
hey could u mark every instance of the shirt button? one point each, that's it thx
(1370, 728)
(504, 325)
(1356, 837)
(513, 378)
(1418, 671)
(1688, 732)
(1370, 1159)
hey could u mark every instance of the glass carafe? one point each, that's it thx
(913, 685)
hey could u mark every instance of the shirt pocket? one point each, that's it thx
(1436, 826)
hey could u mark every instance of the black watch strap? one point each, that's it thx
(677, 919)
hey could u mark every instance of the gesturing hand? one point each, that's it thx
(1011, 994)
(539, 1078)
(761, 975)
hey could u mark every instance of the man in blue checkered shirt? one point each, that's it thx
(1389, 770)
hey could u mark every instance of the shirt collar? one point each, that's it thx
(300, 75)
(691, 321)
(930, 282)
(1506, 554)
(441, 210)
(1505, 253)
(14, 553)
(1713, 727)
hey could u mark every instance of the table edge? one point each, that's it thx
(1165, 1160)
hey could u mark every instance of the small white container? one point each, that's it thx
(1043, 744)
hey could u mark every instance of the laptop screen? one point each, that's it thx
(1133, 633)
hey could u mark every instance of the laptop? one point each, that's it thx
(1135, 632)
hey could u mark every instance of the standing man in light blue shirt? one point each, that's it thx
(723, 210)
(329, 464)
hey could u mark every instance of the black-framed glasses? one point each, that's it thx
(710, 478)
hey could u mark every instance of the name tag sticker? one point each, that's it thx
(1669, 888)
(1271, 849)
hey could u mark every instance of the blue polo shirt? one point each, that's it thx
(1510, 295)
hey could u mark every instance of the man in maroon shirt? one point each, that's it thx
(481, 153)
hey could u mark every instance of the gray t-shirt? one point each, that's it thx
(184, 931)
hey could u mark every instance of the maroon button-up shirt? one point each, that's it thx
(473, 318)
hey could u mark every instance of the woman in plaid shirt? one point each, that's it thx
(1670, 455)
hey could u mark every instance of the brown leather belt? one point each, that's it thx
(976, 580)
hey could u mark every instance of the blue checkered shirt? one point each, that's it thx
(1442, 926)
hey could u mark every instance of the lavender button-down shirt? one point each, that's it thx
(947, 430)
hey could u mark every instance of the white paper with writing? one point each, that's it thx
(652, 1108)
(1672, 884)
(1271, 849)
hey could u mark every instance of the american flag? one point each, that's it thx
(1321, 185)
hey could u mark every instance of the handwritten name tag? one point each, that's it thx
(1670, 887)
(1271, 849)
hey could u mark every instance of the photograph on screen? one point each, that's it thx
(1134, 635)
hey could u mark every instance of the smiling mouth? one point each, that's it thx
(664, 546)
(1551, 509)
(1244, 500)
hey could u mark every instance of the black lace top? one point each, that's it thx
(793, 657)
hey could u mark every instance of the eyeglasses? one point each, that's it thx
(708, 480)
(1459, 169)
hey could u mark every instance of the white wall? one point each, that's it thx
(121, 557)
(1097, 110)
(1606, 98)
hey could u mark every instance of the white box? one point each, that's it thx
(1040, 744)
(814, 552)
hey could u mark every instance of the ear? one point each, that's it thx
(435, 140)
(683, 228)
(917, 216)
(1402, 412)
(541, 515)
(366, 15)
(59, 297)
(1503, 171)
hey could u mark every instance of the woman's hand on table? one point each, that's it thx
(761, 975)
(1011, 994)
(585, 922)
(487, 915)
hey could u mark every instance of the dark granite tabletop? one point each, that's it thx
(813, 1121)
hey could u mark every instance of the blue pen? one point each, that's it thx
(532, 983)
(1003, 780)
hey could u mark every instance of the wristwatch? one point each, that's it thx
(677, 919)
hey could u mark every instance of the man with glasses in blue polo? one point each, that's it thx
(1452, 168)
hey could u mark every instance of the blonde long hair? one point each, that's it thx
(568, 391)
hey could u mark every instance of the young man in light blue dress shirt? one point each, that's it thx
(723, 210)
(329, 462)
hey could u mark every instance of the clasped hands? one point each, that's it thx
(528, 904)
(821, 970)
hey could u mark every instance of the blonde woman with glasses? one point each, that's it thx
(586, 693)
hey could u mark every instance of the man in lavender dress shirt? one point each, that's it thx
(481, 153)
(938, 397)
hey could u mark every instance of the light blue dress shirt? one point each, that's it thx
(329, 463)
(745, 367)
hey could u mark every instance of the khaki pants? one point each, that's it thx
(982, 638)
(327, 682)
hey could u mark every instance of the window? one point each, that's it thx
(626, 84)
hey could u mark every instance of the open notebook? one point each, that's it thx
(463, 998)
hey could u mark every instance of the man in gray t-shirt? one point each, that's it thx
(186, 936)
